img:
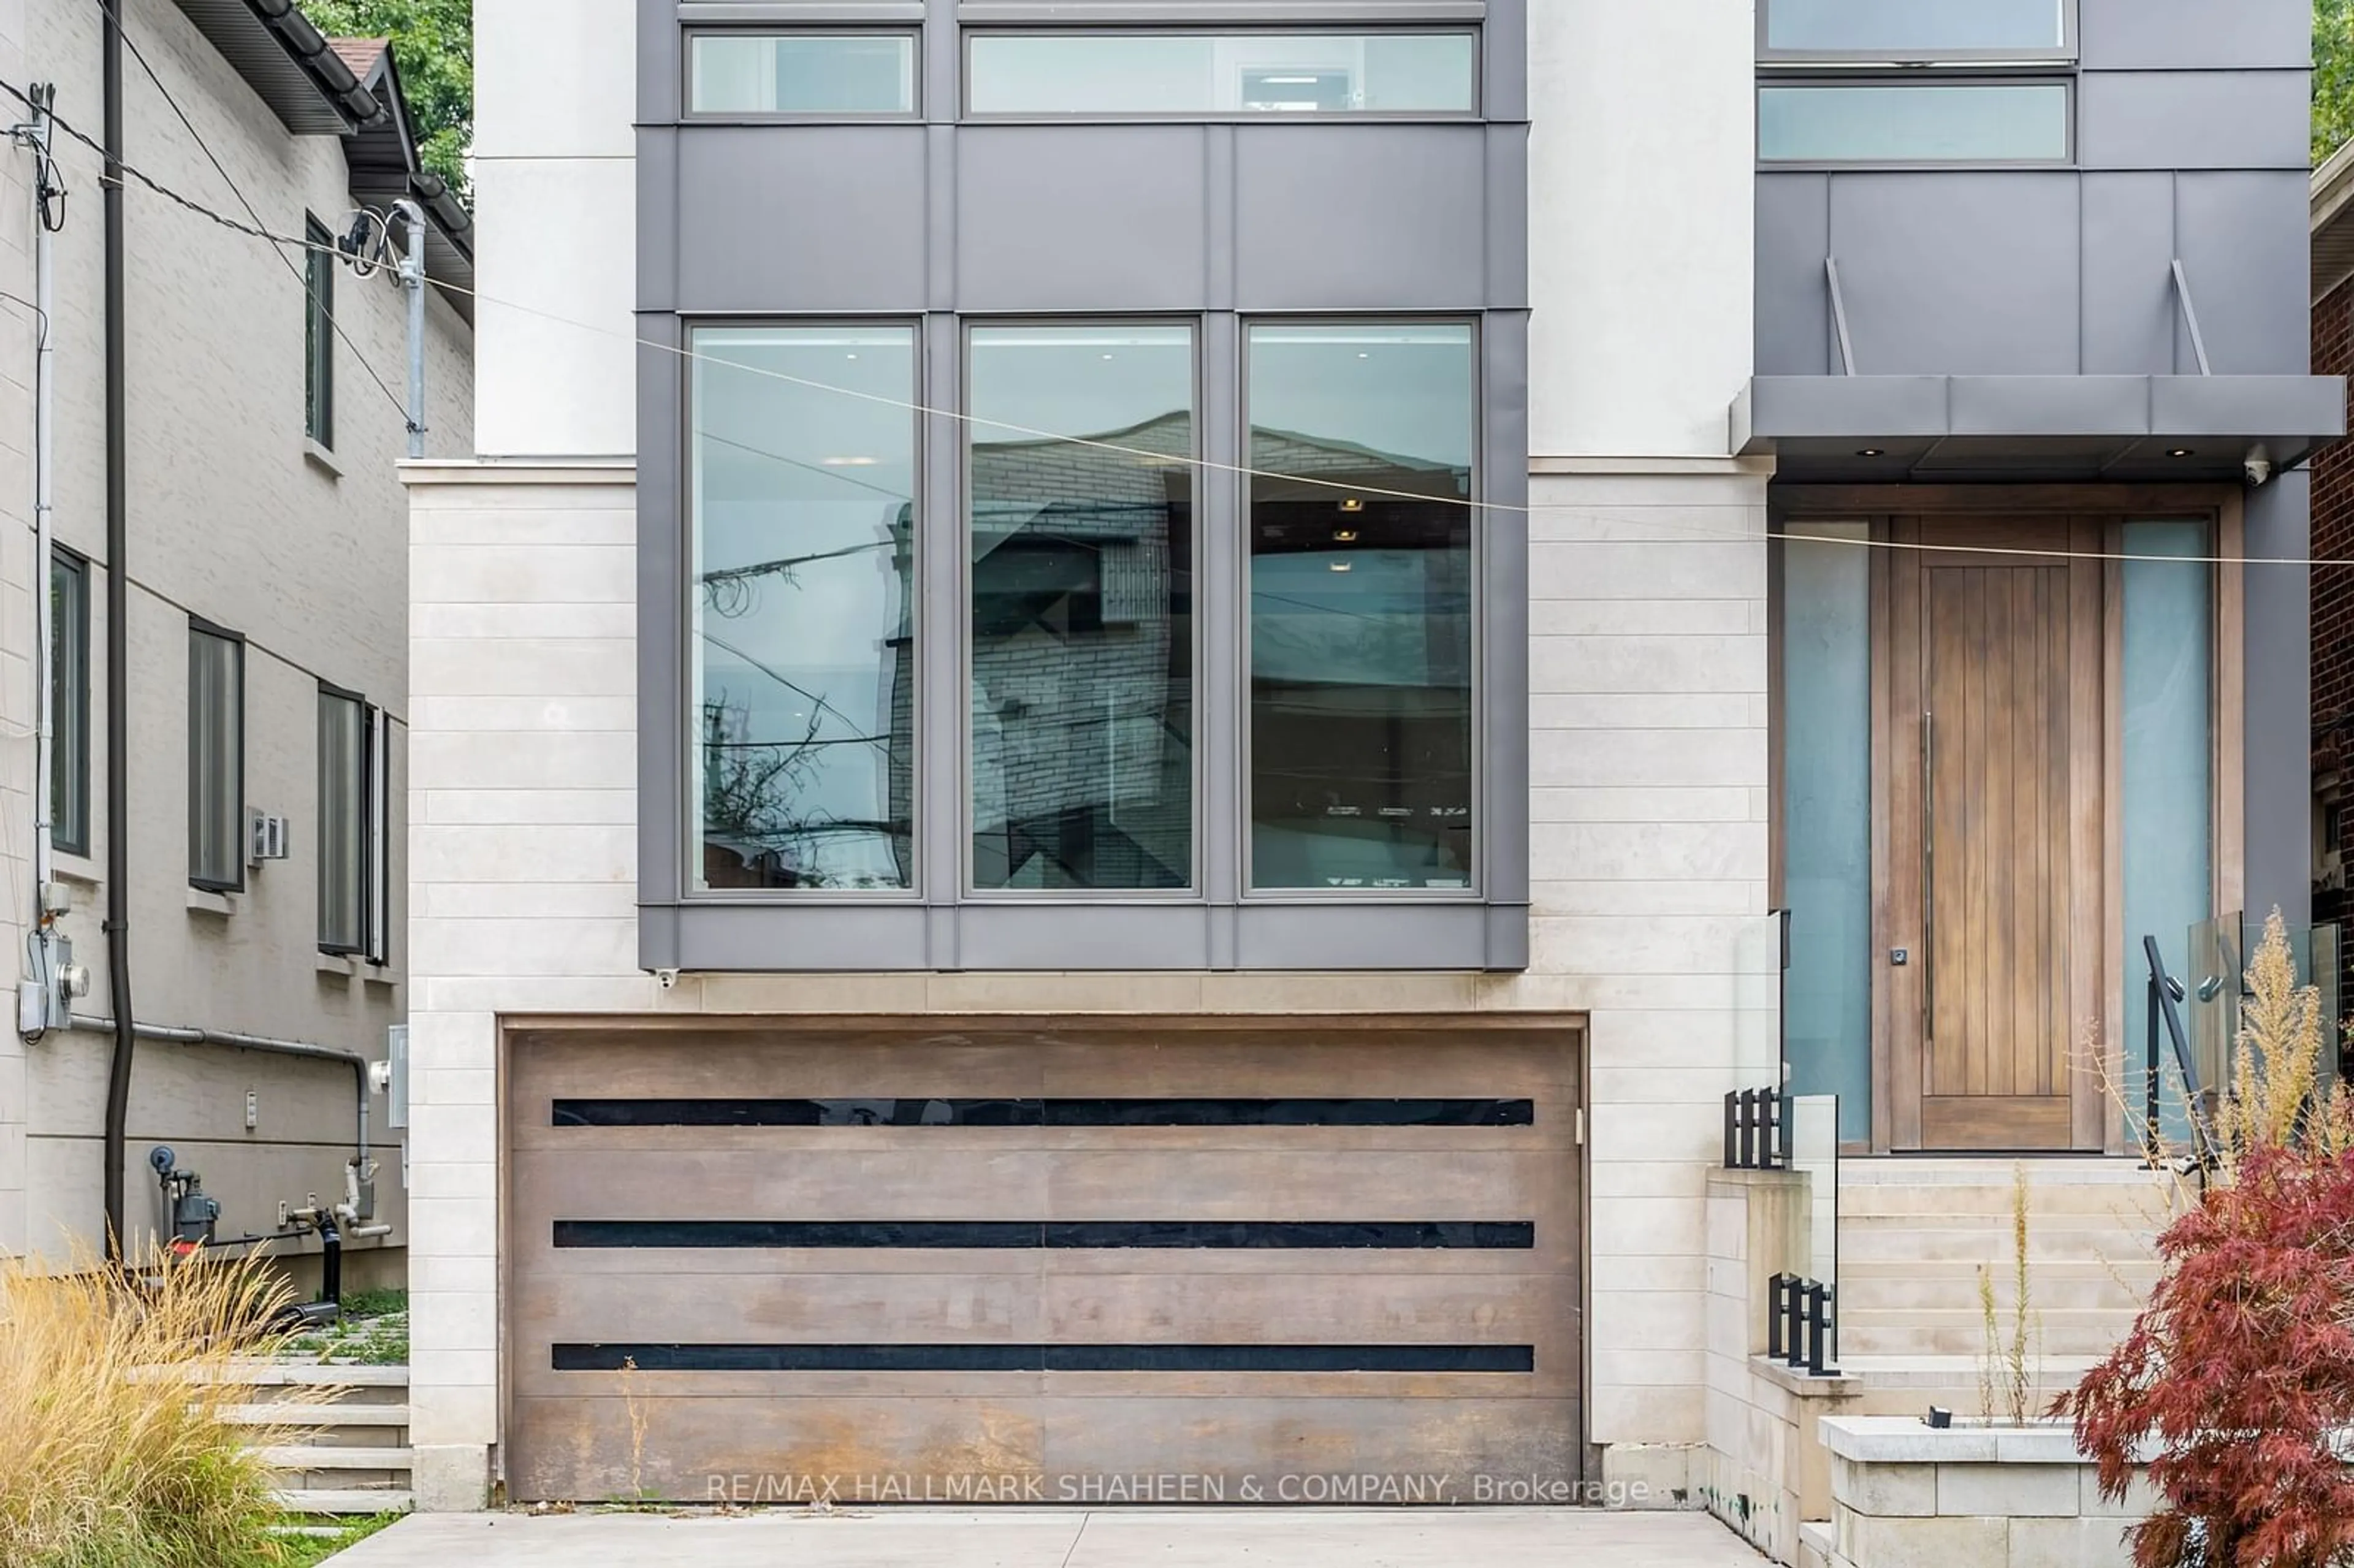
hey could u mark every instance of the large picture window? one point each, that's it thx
(1082, 607)
(802, 484)
(1255, 73)
(1361, 526)
(217, 825)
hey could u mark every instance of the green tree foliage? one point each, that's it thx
(2333, 76)
(433, 40)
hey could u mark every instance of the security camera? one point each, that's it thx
(667, 977)
(2259, 466)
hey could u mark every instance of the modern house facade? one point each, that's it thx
(256, 420)
(1109, 750)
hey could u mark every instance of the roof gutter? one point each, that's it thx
(309, 49)
(441, 205)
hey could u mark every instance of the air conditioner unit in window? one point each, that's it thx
(269, 836)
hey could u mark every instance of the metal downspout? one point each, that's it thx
(118, 617)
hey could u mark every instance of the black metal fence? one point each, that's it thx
(1756, 1130)
(1802, 1325)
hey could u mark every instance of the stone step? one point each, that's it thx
(1909, 1385)
(361, 1500)
(1931, 1332)
(2074, 1284)
(1994, 1204)
(1910, 1241)
(309, 1458)
(1995, 1170)
(282, 1375)
(311, 1417)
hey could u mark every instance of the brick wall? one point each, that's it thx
(2333, 610)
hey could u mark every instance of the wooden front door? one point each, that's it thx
(1993, 736)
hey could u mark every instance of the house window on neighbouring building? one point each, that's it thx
(1913, 111)
(217, 825)
(1361, 657)
(1180, 74)
(351, 825)
(69, 701)
(818, 74)
(319, 333)
(801, 477)
(1081, 603)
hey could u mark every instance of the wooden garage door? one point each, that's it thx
(1152, 1263)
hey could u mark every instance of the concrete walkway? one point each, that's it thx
(1053, 1537)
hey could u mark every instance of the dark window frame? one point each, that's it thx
(1475, 111)
(69, 706)
(365, 806)
(913, 112)
(318, 335)
(197, 824)
(2068, 53)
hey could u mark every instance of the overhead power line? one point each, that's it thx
(113, 9)
(1145, 457)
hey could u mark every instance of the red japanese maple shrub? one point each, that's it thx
(2238, 1375)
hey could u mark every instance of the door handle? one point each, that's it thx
(1928, 877)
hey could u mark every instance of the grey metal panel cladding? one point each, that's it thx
(2192, 119)
(958, 219)
(1958, 273)
(2242, 240)
(1027, 240)
(2131, 319)
(821, 217)
(2196, 35)
(1317, 211)
(2278, 712)
(1794, 313)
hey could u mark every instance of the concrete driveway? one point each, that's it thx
(1017, 1538)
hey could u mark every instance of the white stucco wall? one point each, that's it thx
(1642, 211)
(555, 182)
(232, 522)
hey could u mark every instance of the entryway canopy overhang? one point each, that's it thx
(2064, 428)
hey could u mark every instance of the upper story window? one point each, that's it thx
(1913, 122)
(798, 74)
(1082, 614)
(1964, 81)
(1937, 31)
(353, 829)
(216, 826)
(1170, 74)
(802, 483)
(69, 701)
(1362, 739)
(319, 333)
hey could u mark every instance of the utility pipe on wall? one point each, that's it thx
(118, 641)
(45, 391)
(180, 1034)
(412, 278)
